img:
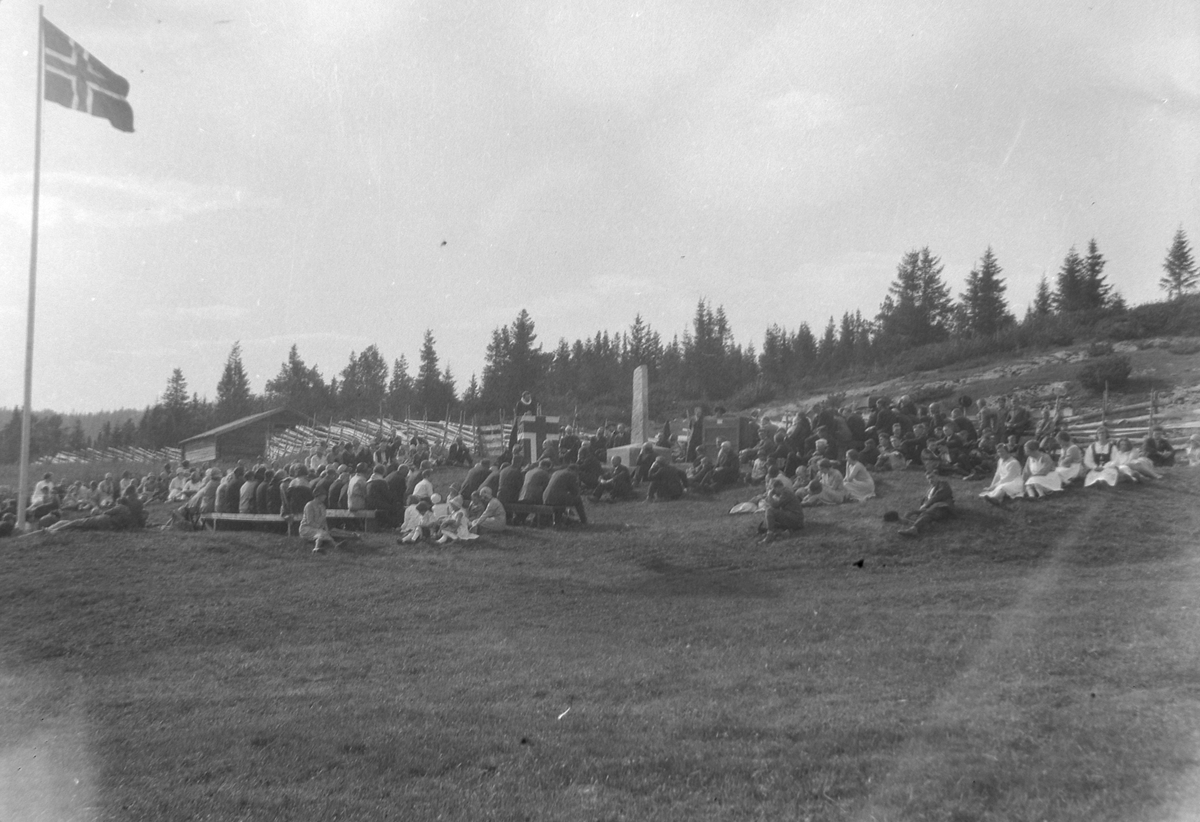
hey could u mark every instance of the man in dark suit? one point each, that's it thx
(564, 490)
(937, 505)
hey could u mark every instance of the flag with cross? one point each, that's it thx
(76, 79)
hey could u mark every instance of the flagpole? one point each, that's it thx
(27, 418)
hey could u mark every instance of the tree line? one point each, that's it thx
(919, 324)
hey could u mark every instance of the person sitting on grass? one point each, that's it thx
(1158, 449)
(1008, 481)
(616, 483)
(645, 461)
(176, 488)
(890, 459)
(784, 511)
(76, 498)
(494, 518)
(1132, 464)
(1041, 478)
(937, 505)
(1098, 459)
(667, 483)
(44, 499)
(703, 476)
(1070, 458)
(314, 525)
(419, 520)
(828, 488)
(859, 484)
(727, 466)
(1193, 451)
(869, 455)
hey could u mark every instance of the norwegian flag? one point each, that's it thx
(76, 79)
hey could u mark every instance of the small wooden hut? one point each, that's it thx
(245, 438)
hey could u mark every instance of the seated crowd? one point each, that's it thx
(828, 456)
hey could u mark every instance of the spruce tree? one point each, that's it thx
(233, 390)
(1094, 291)
(1069, 296)
(917, 309)
(1043, 300)
(1181, 274)
(984, 309)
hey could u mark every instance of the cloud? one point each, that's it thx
(117, 201)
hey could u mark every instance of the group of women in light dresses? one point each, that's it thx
(1103, 461)
(830, 486)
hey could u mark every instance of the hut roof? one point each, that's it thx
(291, 418)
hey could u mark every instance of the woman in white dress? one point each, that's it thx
(858, 482)
(1098, 459)
(1008, 481)
(1193, 451)
(1070, 459)
(828, 488)
(1133, 463)
(1041, 477)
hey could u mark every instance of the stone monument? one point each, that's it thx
(640, 430)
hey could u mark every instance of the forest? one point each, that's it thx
(920, 325)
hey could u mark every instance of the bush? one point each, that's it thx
(1099, 349)
(1113, 371)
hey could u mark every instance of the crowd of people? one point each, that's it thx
(828, 456)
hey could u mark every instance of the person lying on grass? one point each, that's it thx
(937, 505)
(125, 515)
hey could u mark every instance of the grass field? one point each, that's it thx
(660, 664)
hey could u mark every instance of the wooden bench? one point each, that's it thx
(352, 520)
(540, 513)
(212, 521)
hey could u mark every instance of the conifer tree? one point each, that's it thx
(917, 309)
(1043, 300)
(299, 387)
(1069, 295)
(1094, 291)
(233, 390)
(1181, 274)
(984, 309)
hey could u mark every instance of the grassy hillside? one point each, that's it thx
(659, 664)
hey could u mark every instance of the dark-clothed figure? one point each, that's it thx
(564, 490)
(937, 505)
(666, 481)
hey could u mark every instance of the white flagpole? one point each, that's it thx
(27, 419)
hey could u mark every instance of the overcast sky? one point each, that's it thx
(337, 174)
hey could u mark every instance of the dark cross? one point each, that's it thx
(533, 434)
